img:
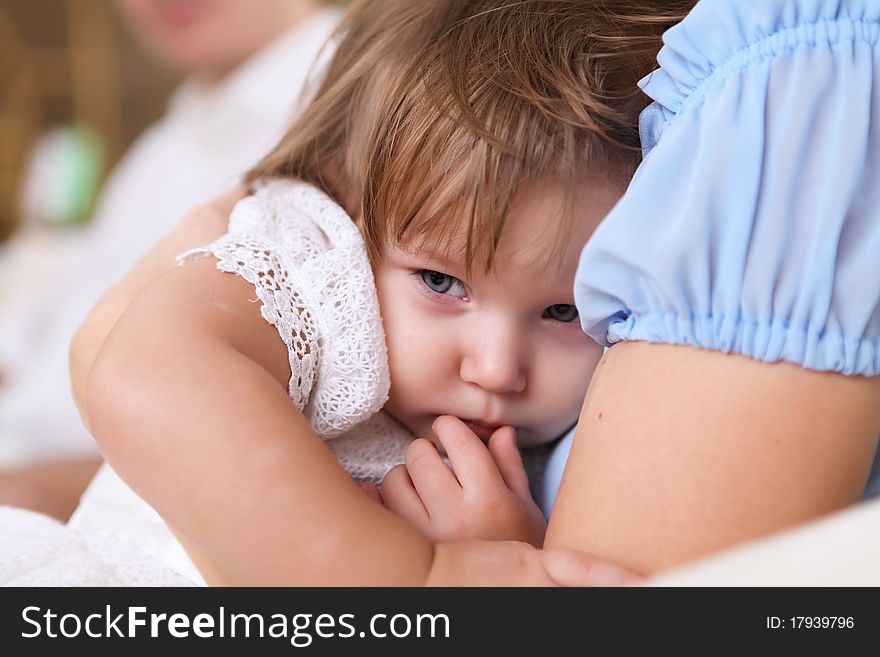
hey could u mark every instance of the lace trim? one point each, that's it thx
(310, 268)
(282, 305)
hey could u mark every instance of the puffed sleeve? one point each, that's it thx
(311, 274)
(753, 224)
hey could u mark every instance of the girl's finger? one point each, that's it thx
(433, 480)
(399, 496)
(471, 461)
(502, 447)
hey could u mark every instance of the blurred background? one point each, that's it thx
(116, 118)
(75, 91)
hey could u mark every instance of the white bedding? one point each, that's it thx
(840, 550)
(36, 550)
(110, 508)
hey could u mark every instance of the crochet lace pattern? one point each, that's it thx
(311, 273)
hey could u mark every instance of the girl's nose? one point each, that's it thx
(495, 361)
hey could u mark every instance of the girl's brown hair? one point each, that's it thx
(433, 114)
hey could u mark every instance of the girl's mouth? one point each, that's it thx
(483, 431)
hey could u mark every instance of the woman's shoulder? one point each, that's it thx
(718, 32)
(750, 226)
(720, 38)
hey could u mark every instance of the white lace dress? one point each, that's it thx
(309, 267)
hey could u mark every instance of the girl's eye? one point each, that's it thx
(562, 312)
(442, 283)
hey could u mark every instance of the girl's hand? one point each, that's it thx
(485, 495)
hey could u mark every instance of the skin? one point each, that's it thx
(201, 226)
(485, 494)
(209, 38)
(458, 563)
(50, 488)
(502, 351)
(497, 348)
(789, 412)
(718, 449)
(198, 344)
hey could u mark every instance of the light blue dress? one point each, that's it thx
(753, 224)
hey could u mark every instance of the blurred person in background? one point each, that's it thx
(246, 64)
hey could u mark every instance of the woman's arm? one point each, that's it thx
(682, 452)
(720, 242)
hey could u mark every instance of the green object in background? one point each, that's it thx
(63, 177)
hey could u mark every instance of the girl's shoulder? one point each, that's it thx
(296, 216)
(311, 272)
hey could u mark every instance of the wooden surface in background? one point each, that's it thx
(66, 61)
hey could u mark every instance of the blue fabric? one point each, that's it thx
(545, 496)
(753, 224)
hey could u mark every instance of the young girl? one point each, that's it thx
(432, 200)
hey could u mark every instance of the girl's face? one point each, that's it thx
(503, 348)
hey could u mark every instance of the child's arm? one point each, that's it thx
(200, 226)
(487, 497)
(188, 401)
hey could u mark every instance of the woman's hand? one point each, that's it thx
(508, 563)
(485, 495)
